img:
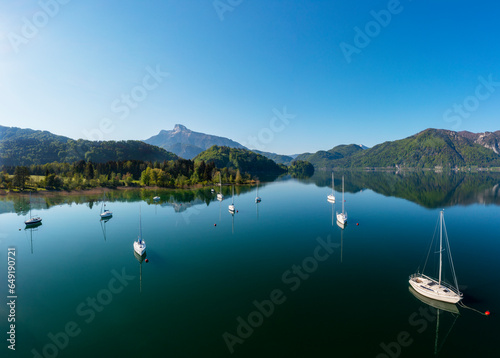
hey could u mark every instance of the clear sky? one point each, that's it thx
(296, 76)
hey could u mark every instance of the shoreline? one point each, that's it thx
(101, 190)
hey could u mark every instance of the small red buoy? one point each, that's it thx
(147, 260)
(357, 224)
(236, 210)
(487, 313)
(215, 224)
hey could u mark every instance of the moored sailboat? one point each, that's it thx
(257, 198)
(33, 220)
(331, 197)
(220, 197)
(434, 288)
(105, 213)
(231, 206)
(342, 217)
(140, 244)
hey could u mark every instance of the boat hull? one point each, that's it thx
(106, 214)
(33, 221)
(231, 208)
(330, 198)
(139, 247)
(342, 218)
(430, 288)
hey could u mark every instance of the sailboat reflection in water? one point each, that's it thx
(31, 228)
(441, 309)
(140, 258)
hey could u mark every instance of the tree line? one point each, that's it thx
(87, 174)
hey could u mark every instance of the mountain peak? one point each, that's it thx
(180, 128)
(187, 142)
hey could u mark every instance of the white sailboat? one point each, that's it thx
(220, 197)
(33, 219)
(231, 206)
(342, 217)
(140, 244)
(331, 197)
(433, 288)
(105, 213)
(257, 198)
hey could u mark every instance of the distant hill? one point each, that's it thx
(277, 158)
(325, 159)
(427, 149)
(244, 160)
(27, 146)
(186, 143)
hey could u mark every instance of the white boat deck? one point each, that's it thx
(432, 289)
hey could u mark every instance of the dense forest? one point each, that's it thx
(226, 164)
(24, 147)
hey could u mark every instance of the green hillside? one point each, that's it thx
(27, 147)
(427, 149)
(239, 159)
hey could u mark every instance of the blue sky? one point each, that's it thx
(282, 76)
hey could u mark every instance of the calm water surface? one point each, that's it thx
(324, 291)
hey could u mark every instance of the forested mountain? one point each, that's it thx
(240, 159)
(427, 149)
(277, 158)
(26, 147)
(325, 159)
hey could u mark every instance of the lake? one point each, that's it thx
(276, 279)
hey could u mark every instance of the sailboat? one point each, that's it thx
(140, 244)
(433, 288)
(257, 198)
(231, 207)
(342, 217)
(331, 197)
(220, 197)
(33, 219)
(105, 213)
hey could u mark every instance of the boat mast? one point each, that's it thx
(332, 182)
(342, 194)
(140, 224)
(440, 244)
(232, 200)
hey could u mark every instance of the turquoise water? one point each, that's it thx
(322, 291)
